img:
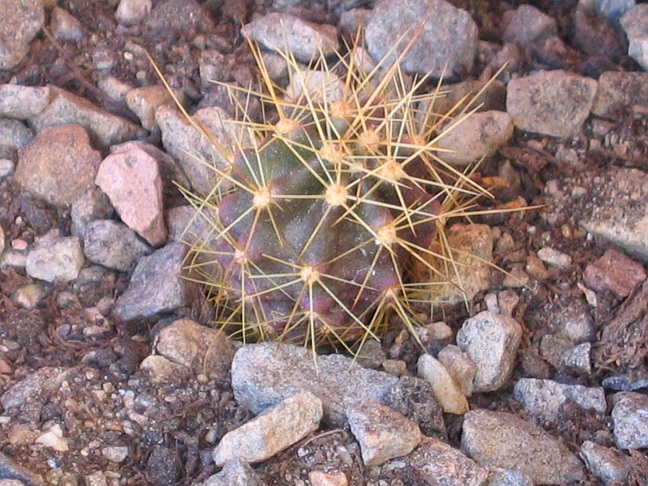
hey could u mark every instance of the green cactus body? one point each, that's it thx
(324, 217)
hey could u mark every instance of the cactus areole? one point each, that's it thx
(316, 225)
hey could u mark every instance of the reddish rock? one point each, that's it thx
(616, 272)
(130, 177)
(59, 165)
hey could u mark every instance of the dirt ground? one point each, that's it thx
(87, 376)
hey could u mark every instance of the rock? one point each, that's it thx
(59, 180)
(468, 95)
(635, 25)
(316, 86)
(619, 89)
(382, 433)
(186, 16)
(2, 240)
(90, 206)
(202, 349)
(36, 386)
(112, 245)
(554, 103)
(53, 439)
(234, 473)
(21, 21)
(286, 33)
(161, 370)
(65, 107)
(264, 374)
(146, 100)
(28, 296)
(554, 258)
(435, 462)
(445, 45)
(577, 358)
(613, 10)
(508, 477)
(630, 416)
(616, 272)
(461, 368)
(606, 464)
(545, 398)
(320, 478)
(131, 179)
(64, 26)
(414, 398)
(200, 160)
(619, 211)
(131, 12)
(505, 440)
(271, 432)
(55, 258)
(115, 454)
(624, 382)
(476, 136)
(156, 286)
(14, 135)
(23, 102)
(6, 167)
(595, 35)
(527, 25)
(472, 249)
(163, 467)
(491, 341)
(445, 390)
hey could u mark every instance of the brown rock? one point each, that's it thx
(59, 165)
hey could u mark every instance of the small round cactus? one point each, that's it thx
(321, 226)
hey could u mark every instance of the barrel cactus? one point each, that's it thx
(320, 226)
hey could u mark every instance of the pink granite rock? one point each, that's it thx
(130, 177)
(616, 272)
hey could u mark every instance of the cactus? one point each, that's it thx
(319, 228)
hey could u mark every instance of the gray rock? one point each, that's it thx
(38, 385)
(505, 440)
(271, 432)
(6, 167)
(264, 374)
(554, 258)
(131, 12)
(606, 464)
(112, 245)
(445, 389)
(635, 25)
(58, 179)
(544, 398)
(382, 433)
(413, 397)
(625, 382)
(619, 212)
(445, 44)
(491, 341)
(21, 21)
(437, 463)
(508, 477)
(90, 206)
(130, 177)
(202, 349)
(161, 370)
(202, 162)
(234, 473)
(578, 358)
(55, 258)
(65, 107)
(14, 135)
(286, 33)
(23, 102)
(171, 15)
(470, 94)
(613, 10)
(528, 25)
(554, 103)
(476, 136)
(163, 466)
(618, 89)
(630, 416)
(64, 26)
(156, 285)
